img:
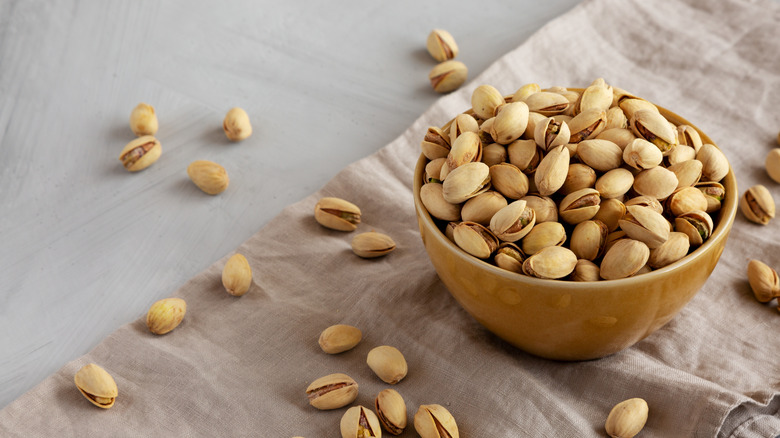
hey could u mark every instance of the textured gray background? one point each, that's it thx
(85, 246)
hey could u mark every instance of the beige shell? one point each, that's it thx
(615, 183)
(475, 239)
(681, 154)
(143, 120)
(689, 136)
(465, 182)
(772, 164)
(589, 239)
(545, 208)
(602, 155)
(431, 420)
(339, 338)
(686, 199)
(631, 105)
(433, 171)
(511, 121)
(97, 385)
(587, 125)
(493, 154)
(372, 244)
(757, 205)
(551, 262)
(524, 154)
(543, 235)
(533, 119)
(624, 259)
(596, 96)
(391, 410)
(526, 90)
(332, 391)
(627, 418)
(360, 422)
(435, 144)
(388, 363)
(653, 127)
(579, 206)
(610, 212)
(484, 101)
(236, 125)
(616, 119)
(448, 76)
(620, 136)
(696, 224)
(552, 171)
(441, 45)
(550, 133)
(237, 275)
(645, 225)
(508, 180)
(337, 214)
(715, 166)
(688, 173)
(675, 248)
(714, 192)
(646, 201)
(465, 149)
(547, 103)
(513, 222)
(462, 123)
(763, 281)
(658, 182)
(585, 270)
(641, 154)
(208, 176)
(510, 257)
(482, 207)
(140, 153)
(432, 197)
(580, 176)
(165, 315)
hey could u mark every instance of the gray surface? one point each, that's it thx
(85, 246)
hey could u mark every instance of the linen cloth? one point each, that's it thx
(240, 366)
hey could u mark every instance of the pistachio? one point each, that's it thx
(715, 166)
(441, 45)
(616, 119)
(513, 222)
(475, 239)
(615, 183)
(641, 154)
(433, 170)
(681, 154)
(757, 205)
(589, 239)
(236, 125)
(645, 225)
(646, 201)
(237, 275)
(449, 230)
(484, 101)
(463, 123)
(544, 208)
(448, 76)
(387, 363)
(435, 421)
(482, 207)
(624, 259)
(339, 338)
(524, 154)
(580, 176)
(465, 182)
(510, 123)
(140, 153)
(508, 180)
(372, 244)
(391, 410)
(533, 119)
(653, 127)
(689, 136)
(209, 176)
(432, 198)
(610, 212)
(579, 206)
(587, 125)
(551, 262)
(465, 149)
(143, 120)
(686, 199)
(332, 391)
(675, 248)
(696, 224)
(763, 281)
(631, 106)
(658, 182)
(714, 192)
(597, 96)
(94, 383)
(613, 238)
(165, 315)
(688, 172)
(620, 136)
(549, 133)
(772, 164)
(543, 235)
(359, 422)
(585, 270)
(552, 171)
(602, 155)
(338, 214)
(526, 90)
(435, 144)
(546, 103)
(510, 257)
(493, 154)
(627, 418)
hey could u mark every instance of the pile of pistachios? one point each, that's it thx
(562, 184)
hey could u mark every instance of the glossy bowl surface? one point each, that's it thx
(567, 320)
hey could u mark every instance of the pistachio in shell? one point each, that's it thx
(681, 154)
(688, 136)
(620, 136)
(549, 133)
(435, 144)
(646, 201)
(509, 256)
(610, 212)
(641, 154)
(465, 182)
(543, 235)
(513, 222)
(337, 214)
(465, 149)
(547, 103)
(616, 119)
(688, 173)
(96, 385)
(645, 225)
(772, 164)
(757, 205)
(653, 127)
(448, 76)
(627, 418)
(463, 123)
(579, 206)
(432, 197)
(433, 171)
(493, 154)
(360, 422)
(435, 421)
(675, 248)
(624, 259)
(165, 315)
(372, 244)
(714, 192)
(552, 171)
(391, 410)
(686, 199)
(482, 207)
(526, 90)
(615, 183)
(140, 153)
(763, 281)
(715, 166)
(508, 180)
(579, 176)
(475, 239)
(696, 224)
(658, 182)
(484, 101)
(441, 45)
(589, 239)
(388, 363)
(602, 155)
(339, 338)
(585, 270)
(596, 96)
(552, 262)
(510, 123)
(237, 275)
(587, 125)
(332, 391)
(545, 208)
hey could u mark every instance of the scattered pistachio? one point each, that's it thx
(448, 76)
(236, 125)
(237, 275)
(165, 315)
(208, 176)
(94, 383)
(441, 45)
(627, 418)
(143, 120)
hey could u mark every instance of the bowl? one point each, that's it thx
(568, 320)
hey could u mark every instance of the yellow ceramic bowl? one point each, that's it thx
(569, 320)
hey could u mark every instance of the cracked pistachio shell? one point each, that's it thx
(466, 148)
(432, 197)
(714, 192)
(387, 363)
(550, 133)
(552, 171)
(579, 206)
(435, 144)
(757, 205)
(140, 153)
(587, 125)
(689, 136)
(715, 166)
(524, 154)
(391, 410)
(337, 214)
(97, 385)
(209, 176)
(526, 90)
(435, 421)
(580, 176)
(658, 182)
(482, 207)
(143, 120)
(372, 244)
(547, 103)
(441, 45)
(484, 101)
(688, 173)
(552, 262)
(631, 106)
(463, 123)
(585, 270)
(475, 239)
(484, 131)
(684, 200)
(646, 225)
(653, 127)
(509, 256)
(646, 201)
(763, 281)
(433, 170)
(624, 259)
(620, 136)
(236, 124)
(508, 180)
(675, 248)
(696, 224)
(332, 391)
(545, 208)
(596, 96)
(641, 154)
(589, 239)
(616, 119)
(237, 275)
(530, 129)
(513, 222)
(493, 154)
(339, 338)
(772, 164)
(681, 154)
(610, 212)
(602, 155)
(448, 76)
(510, 123)
(543, 235)
(627, 418)
(466, 182)
(615, 183)
(360, 422)
(165, 315)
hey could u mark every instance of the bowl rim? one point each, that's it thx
(726, 218)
